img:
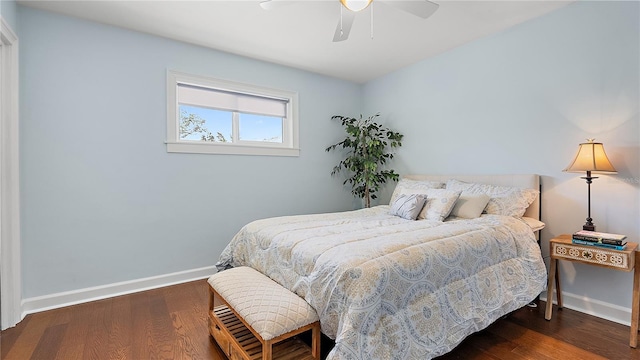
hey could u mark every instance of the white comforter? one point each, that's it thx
(389, 288)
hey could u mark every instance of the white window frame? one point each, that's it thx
(290, 142)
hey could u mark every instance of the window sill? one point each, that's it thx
(228, 149)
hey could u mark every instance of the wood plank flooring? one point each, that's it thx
(171, 323)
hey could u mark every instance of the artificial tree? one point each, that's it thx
(368, 146)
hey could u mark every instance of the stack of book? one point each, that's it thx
(605, 240)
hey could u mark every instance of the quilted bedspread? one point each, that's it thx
(389, 288)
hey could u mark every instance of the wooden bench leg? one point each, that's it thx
(267, 350)
(211, 301)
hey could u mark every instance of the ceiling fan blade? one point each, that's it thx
(420, 8)
(273, 4)
(344, 26)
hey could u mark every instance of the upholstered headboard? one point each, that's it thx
(524, 181)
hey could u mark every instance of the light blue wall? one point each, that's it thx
(103, 201)
(520, 102)
(8, 10)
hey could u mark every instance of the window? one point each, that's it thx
(211, 116)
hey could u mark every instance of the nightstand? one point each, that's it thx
(561, 248)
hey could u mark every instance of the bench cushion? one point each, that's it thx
(270, 309)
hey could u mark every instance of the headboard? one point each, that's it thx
(524, 181)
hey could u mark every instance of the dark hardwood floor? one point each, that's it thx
(171, 323)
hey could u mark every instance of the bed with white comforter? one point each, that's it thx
(389, 288)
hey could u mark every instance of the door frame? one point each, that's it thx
(10, 268)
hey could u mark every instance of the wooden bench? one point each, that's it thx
(252, 317)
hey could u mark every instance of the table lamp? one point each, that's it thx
(590, 157)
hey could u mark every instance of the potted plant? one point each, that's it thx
(368, 146)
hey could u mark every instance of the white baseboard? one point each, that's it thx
(601, 309)
(58, 300)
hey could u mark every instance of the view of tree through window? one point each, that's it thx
(203, 124)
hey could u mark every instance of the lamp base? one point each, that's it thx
(589, 227)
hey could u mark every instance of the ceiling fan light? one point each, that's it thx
(356, 5)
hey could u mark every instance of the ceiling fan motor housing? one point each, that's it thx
(356, 5)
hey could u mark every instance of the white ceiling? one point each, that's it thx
(300, 34)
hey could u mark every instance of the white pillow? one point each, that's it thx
(470, 206)
(534, 224)
(408, 186)
(408, 206)
(505, 200)
(439, 204)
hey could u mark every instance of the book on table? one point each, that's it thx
(600, 237)
(600, 245)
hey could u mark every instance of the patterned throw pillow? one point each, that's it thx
(408, 186)
(439, 204)
(505, 200)
(408, 206)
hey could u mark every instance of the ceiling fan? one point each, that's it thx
(420, 8)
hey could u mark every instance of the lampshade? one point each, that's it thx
(591, 157)
(356, 5)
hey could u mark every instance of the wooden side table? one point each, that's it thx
(561, 248)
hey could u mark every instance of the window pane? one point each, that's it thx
(203, 124)
(260, 128)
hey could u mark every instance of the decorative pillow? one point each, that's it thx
(439, 204)
(407, 206)
(470, 206)
(505, 200)
(408, 186)
(534, 224)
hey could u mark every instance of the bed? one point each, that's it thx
(387, 287)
